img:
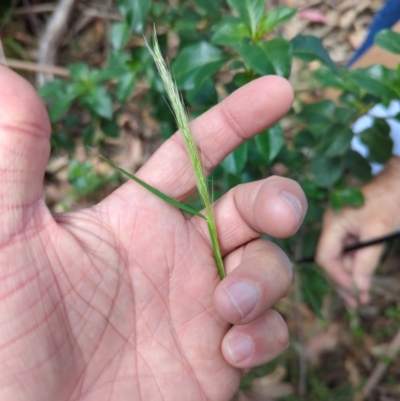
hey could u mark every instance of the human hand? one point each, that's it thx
(379, 216)
(123, 301)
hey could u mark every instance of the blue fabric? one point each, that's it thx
(386, 17)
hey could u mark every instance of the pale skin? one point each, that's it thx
(123, 301)
(379, 216)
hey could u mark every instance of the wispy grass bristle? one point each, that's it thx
(183, 123)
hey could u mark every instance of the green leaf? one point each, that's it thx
(79, 71)
(120, 34)
(336, 140)
(235, 162)
(304, 139)
(309, 48)
(205, 94)
(328, 79)
(196, 63)
(378, 140)
(125, 86)
(378, 81)
(99, 101)
(229, 32)
(272, 57)
(59, 108)
(210, 7)
(389, 40)
(270, 142)
(135, 12)
(313, 191)
(348, 196)
(325, 172)
(275, 17)
(110, 128)
(357, 165)
(153, 190)
(52, 88)
(322, 112)
(250, 12)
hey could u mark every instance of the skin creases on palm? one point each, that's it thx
(123, 301)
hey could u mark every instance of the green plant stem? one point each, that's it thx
(183, 123)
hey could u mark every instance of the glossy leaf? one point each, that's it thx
(378, 140)
(250, 12)
(196, 63)
(326, 171)
(209, 7)
(272, 57)
(235, 162)
(347, 196)
(320, 112)
(110, 128)
(100, 102)
(135, 12)
(270, 142)
(312, 191)
(153, 190)
(357, 165)
(335, 141)
(125, 86)
(79, 71)
(389, 40)
(59, 108)
(229, 32)
(304, 139)
(309, 48)
(206, 94)
(378, 81)
(120, 34)
(275, 17)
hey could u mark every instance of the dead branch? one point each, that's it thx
(54, 31)
(381, 368)
(34, 67)
(2, 55)
(49, 8)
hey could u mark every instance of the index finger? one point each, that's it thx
(243, 114)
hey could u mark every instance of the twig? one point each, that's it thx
(34, 67)
(3, 59)
(32, 18)
(49, 8)
(381, 367)
(302, 390)
(36, 9)
(55, 29)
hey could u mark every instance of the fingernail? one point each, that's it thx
(244, 297)
(240, 348)
(294, 203)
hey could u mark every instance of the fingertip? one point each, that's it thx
(256, 343)
(280, 207)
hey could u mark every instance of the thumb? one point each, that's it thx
(24, 151)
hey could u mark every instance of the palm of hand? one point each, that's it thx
(123, 300)
(109, 313)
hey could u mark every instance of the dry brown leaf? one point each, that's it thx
(354, 376)
(322, 342)
(348, 18)
(271, 385)
(357, 38)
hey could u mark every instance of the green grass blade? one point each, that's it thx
(182, 120)
(154, 191)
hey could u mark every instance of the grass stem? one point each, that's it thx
(183, 123)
